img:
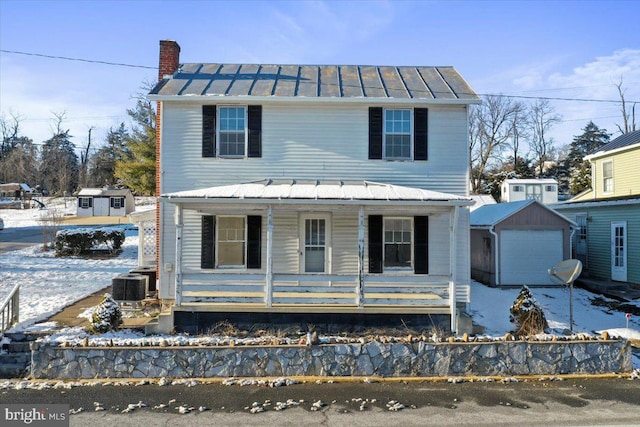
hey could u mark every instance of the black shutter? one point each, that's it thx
(207, 249)
(90, 202)
(375, 132)
(421, 244)
(112, 201)
(254, 125)
(254, 234)
(375, 243)
(208, 131)
(420, 124)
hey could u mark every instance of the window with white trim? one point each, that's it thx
(84, 202)
(398, 134)
(230, 241)
(232, 131)
(518, 188)
(118, 202)
(607, 177)
(397, 243)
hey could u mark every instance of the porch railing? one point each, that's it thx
(10, 310)
(327, 290)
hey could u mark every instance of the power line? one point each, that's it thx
(479, 94)
(78, 59)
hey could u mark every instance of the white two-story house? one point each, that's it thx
(311, 189)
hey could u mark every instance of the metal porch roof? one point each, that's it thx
(311, 190)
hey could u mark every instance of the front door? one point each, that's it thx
(314, 238)
(581, 239)
(619, 251)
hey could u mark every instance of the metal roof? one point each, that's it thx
(312, 190)
(491, 215)
(530, 181)
(317, 82)
(622, 141)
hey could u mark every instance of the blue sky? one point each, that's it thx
(562, 49)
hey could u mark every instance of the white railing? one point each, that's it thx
(10, 310)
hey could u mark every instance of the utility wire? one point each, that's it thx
(78, 59)
(479, 94)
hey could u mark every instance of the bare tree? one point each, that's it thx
(628, 117)
(490, 130)
(518, 123)
(541, 119)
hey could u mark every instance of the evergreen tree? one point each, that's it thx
(579, 170)
(103, 162)
(60, 164)
(137, 167)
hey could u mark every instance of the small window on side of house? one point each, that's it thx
(517, 188)
(550, 188)
(607, 177)
(85, 202)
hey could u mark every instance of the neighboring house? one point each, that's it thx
(544, 190)
(15, 196)
(608, 243)
(516, 243)
(311, 189)
(105, 202)
(480, 200)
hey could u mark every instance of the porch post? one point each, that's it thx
(360, 297)
(453, 248)
(268, 293)
(179, 224)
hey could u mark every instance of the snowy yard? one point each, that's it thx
(48, 284)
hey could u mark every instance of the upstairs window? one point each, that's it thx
(607, 177)
(232, 131)
(397, 134)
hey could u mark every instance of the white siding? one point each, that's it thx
(310, 141)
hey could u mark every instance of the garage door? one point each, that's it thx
(527, 255)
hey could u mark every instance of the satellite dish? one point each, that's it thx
(566, 272)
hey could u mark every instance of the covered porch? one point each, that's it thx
(320, 247)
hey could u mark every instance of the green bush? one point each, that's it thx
(82, 241)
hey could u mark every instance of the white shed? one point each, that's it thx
(544, 190)
(105, 202)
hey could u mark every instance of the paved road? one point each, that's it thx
(555, 403)
(12, 239)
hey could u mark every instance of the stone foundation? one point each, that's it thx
(419, 359)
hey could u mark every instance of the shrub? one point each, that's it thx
(527, 314)
(106, 317)
(88, 240)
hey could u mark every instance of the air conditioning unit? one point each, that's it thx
(129, 287)
(149, 272)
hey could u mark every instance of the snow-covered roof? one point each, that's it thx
(15, 186)
(490, 215)
(481, 200)
(530, 181)
(314, 190)
(103, 192)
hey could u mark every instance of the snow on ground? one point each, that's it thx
(48, 284)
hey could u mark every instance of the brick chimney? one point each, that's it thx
(169, 58)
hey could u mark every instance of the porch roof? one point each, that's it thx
(315, 191)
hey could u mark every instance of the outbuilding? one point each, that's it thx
(514, 244)
(105, 202)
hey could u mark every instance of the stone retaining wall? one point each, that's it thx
(420, 359)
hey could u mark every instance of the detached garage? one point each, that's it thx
(514, 244)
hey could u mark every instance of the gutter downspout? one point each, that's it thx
(497, 254)
(573, 231)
